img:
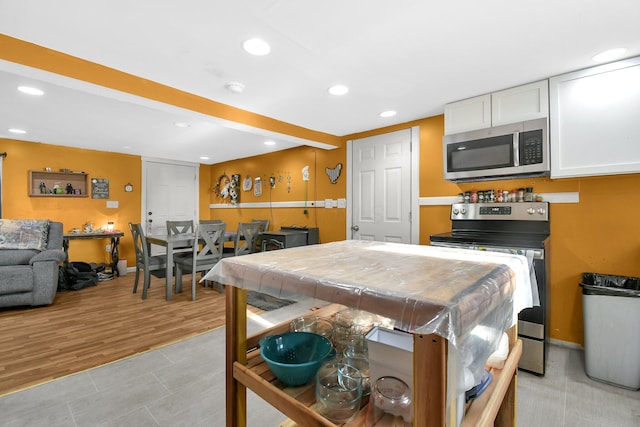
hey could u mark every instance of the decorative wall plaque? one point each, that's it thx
(99, 188)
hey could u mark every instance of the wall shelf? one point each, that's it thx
(78, 180)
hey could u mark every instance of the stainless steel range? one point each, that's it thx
(520, 228)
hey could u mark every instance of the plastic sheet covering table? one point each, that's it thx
(425, 290)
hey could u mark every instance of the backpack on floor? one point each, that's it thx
(77, 275)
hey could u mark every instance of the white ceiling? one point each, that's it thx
(412, 56)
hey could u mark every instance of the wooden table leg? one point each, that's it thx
(506, 416)
(236, 346)
(429, 380)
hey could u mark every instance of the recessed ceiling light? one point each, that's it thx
(182, 124)
(20, 131)
(204, 158)
(256, 47)
(610, 55)
(235, 87)
(269, 143)
(30, 90)
(338, 90)
(389, 113)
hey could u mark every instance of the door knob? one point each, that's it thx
(355, 228)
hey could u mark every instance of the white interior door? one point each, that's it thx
(381, 188)
(170, 192)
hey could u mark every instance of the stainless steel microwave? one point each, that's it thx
(509, 151)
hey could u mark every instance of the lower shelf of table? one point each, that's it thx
(297, 402)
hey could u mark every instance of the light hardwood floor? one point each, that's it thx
(97, 325)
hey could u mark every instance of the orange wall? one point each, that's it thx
(283, 164)
(120, 169)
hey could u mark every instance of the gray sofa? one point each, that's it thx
(30, 276)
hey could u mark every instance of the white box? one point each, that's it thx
(390, 354)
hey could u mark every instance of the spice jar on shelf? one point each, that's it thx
(528, 195)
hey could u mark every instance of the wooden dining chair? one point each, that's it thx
(246, 237)
(206, 252)
(210, 221)
(264, 222)
(144, 260)
(180, 227)
(265, 227)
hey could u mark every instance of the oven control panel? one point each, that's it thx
(519, 211)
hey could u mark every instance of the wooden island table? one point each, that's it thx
(439, 295)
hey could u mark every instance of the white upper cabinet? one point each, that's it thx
(595, 120)
(527, 102)
(520, 103)
(469, 114)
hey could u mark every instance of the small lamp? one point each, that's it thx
(110, 226)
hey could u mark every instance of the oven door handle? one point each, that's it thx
(537, 253)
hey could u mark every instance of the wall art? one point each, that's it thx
(222, 186)
(334, 173)
(99, 188)
(234, 189)
(247, 183)
(257, 187)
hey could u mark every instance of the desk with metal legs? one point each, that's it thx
(115, 242)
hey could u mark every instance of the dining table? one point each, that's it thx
(173, 241)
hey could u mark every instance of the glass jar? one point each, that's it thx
(338, 392)
(528, 195)
(390, 403)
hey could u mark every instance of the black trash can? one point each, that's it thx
(611, 306)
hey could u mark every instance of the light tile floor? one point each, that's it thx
(183, 385)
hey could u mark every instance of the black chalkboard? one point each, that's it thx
(99, 188)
